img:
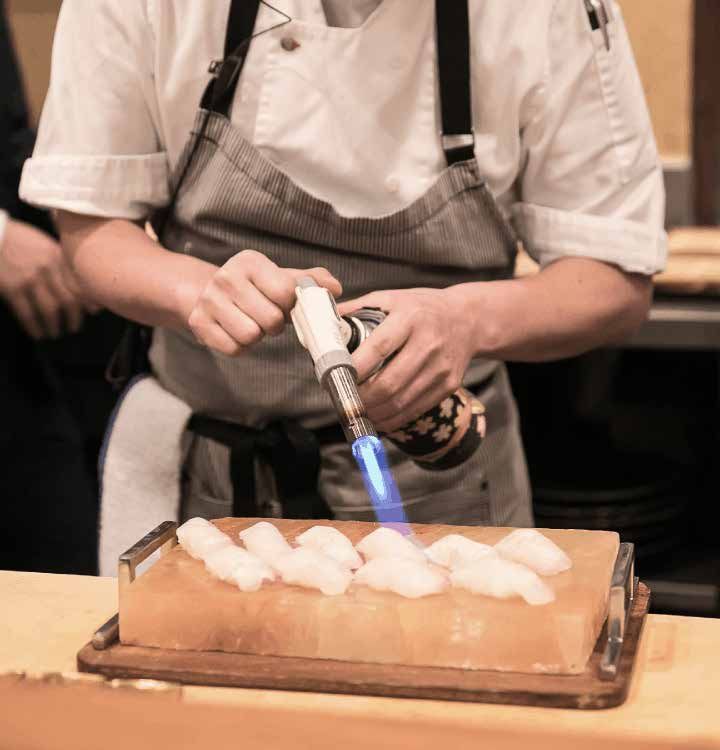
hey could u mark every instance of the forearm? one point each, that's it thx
(571, 306)
(121, 268)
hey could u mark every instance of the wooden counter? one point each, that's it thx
(44, 619)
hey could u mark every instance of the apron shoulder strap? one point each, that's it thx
(220, 91)
(241, 23)
(453, 46)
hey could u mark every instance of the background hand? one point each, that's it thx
(38, 284)
(431, 335)
(248, 298)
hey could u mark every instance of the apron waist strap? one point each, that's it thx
(291, 451)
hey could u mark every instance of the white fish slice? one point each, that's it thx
(196, 521)
(251, 577)
(222, 557)
(333, 543)
(529, 547)
(386, 542)
(199, 537)
(194, 528)
(266, 542)
(201, 547)
(454, 550)
(499, 578)
(404, 576)
(311, 569)
(234, 564)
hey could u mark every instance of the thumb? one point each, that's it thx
(323, 278)
(384, 341)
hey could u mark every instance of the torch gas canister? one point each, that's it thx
(443, 437)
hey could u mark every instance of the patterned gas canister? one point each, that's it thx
(443, 437)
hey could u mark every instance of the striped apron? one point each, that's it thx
(229, 197)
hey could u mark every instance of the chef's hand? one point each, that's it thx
(248, 298)
(431, 336)
(38, 284)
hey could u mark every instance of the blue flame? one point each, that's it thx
(379, 482)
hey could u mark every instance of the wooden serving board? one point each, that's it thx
(583, 691)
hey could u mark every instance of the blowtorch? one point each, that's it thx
(325, 334)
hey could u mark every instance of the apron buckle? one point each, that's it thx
(458, 146)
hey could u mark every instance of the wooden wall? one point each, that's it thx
(661, 32)
(33, 24)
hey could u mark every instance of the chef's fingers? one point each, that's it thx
(237, 323)
(322, 277)
(279, 284)
(379, 300)
(275, 283)
(24, 311)
(416, 384)
(385, 340)
(69, 299)
(428, 400)
(211, 334)
(400, 379)
(47, 306)
(257, 306)
(214, 337)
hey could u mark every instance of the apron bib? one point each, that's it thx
(229, 197)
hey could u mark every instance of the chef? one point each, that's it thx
(396, 152)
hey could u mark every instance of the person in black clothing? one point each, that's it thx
(49, 510)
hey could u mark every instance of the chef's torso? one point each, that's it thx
(231, 196)
(352, 114)
(562, 133)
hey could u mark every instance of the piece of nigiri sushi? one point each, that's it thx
(221, 562)
(386, 542)
(454, 550)
(234, 564)
(199, 537)
(266, 542)
(311, 569)
(494, 576)
(196, 521)
(250, 578)
(332, 543)
(194, 528)
(529, 547)
(405, 576)
(200, 547)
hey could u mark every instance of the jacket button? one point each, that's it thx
(289, 44)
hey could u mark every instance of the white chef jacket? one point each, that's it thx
(562, 132)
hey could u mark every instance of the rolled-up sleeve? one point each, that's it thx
(592, 183)
(98, 150)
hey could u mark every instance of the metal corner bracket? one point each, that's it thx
(164, 538)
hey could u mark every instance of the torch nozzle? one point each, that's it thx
(322, 332)
(341, 386)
